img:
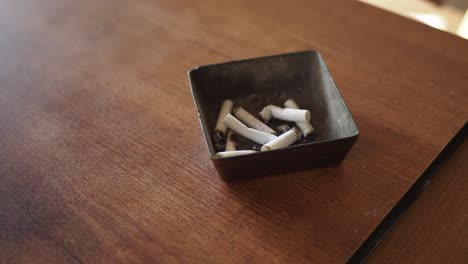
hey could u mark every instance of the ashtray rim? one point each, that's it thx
(206, 130)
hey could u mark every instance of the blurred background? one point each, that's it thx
(446, 15)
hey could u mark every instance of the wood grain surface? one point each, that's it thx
(434, 229)
(101, 154)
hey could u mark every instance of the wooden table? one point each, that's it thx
(102, 158)
(434, 228)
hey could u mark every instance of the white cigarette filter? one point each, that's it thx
(231, 142)
(251, 121)
(225, 154)
(305, 127)
(250, 133)
(226, 108)
(286, 114)
(283, 141)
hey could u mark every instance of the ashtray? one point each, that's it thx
(254, 83)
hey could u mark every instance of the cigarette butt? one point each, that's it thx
(226, 108)
(283, 141)
(286, 114)
(226, 154)
(251, 121)
(231, 141)
(266, 113)
(305, 127)
(250, 133)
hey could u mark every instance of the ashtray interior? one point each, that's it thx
(255, 83)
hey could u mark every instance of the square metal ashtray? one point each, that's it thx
(255, 83)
